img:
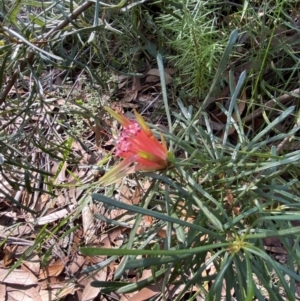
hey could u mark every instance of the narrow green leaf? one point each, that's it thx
(164, 91)
(218, 283)
(268, 233)
(90, 251)
(111, 285)
(223, 63)
(249, 280)
(12, 15)
(3, 66)
(180, 234)
(148, 262)
(232, 105)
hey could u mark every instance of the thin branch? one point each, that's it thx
(30, 58)
(272, 103)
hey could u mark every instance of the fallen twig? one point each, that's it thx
(271, 103)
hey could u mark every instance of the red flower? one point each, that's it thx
(139, 148)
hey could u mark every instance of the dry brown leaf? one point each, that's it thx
(129, 96)
(77, 146)
(60, 101)
(155, 72)
(76, 263)
(152, 79)
(136, 84)
(9, 255)
(122, 81)
(41, 202)
(2, 291)
(125, 194)
(91, 292)
(69, 288)
(146, 293)
(119, 241)
(61, 177)
(126, 297)
(33, 265)
(145, 274)
(78, 237)
(146, 98)
(18, 293)
(128, 196)
(115, 213)
(73, 194)
(26, 197)
(146, 222)
(49, 295)
(210, 269)
(17, 277)
(13, 90)
(136, 198)
(274, 245)
(89, 229)
(53, 269)
(98, 134)
(162, 233)
(107, 240)
(229, 198)
(277, 250)
(52, 217)
(53, 283)
(170, 71)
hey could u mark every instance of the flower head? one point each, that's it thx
(138, 147)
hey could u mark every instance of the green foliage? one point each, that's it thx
(194, 43)
(220, 203)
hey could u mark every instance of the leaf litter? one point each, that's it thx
(61, 274)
